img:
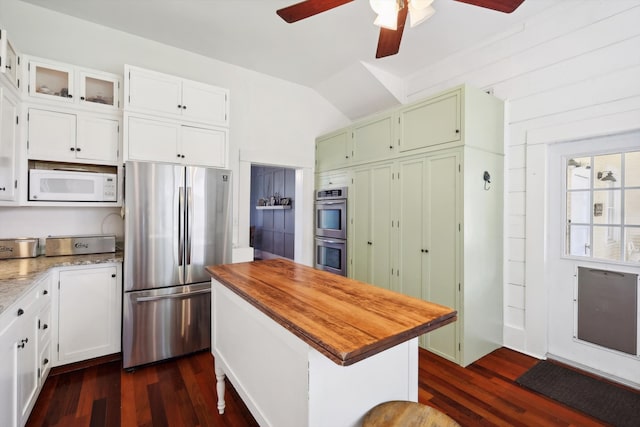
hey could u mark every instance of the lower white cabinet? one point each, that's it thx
(89, 312)
(166, 141)
(20, 351)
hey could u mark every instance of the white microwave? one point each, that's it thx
(72, 186)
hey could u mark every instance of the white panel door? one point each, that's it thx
(153, 92)
(52, 135)
(204, 103)
(88, 313)
(8, 126)
(200, 146)
(152, 140)
(8, 356)
(98, 139)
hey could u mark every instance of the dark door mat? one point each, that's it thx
(600, 399)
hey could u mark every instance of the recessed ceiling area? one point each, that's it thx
(332, 52)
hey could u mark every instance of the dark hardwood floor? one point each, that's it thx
(182, 393)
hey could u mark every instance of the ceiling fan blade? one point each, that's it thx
(308, 8)
(389, 40)
(506, 6)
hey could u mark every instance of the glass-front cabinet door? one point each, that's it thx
(99, 89)
(51, 81)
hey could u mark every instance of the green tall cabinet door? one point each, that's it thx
(429, 206)
(371, 250)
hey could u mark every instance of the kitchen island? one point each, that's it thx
(304, 347)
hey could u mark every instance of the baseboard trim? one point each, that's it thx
(85, 364)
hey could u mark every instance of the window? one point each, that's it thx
(603, 207)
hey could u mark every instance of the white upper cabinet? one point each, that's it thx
(8, 139)
(9, 60)
(68, 137)
(150, 92)
(70, 85)
(167, 141)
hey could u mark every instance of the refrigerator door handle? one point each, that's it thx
(181, 219)
(171, 296)
(189, 221)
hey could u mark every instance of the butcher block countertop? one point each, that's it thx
(344, 319)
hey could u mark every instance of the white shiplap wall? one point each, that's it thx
(571, 72)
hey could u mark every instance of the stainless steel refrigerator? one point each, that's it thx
(177, 222)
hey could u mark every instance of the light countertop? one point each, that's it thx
(18, 275)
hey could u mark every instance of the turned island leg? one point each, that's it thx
(220, 389)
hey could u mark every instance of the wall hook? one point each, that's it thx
(487, 180)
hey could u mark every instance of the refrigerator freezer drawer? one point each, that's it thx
(163, 323)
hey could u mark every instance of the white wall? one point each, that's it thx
(267, 114)
(569, 73)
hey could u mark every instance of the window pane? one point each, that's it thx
(632, 169)
(606, 207)
(578, 207)
(606, 171)
(632, 207)
(579, 244)
(632, 253)
(578, 173)
(606, 243)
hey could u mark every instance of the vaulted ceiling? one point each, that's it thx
(332, 53)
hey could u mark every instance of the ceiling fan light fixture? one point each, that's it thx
(418, 16)
(387, 11)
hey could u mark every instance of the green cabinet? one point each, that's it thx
(374, 139)
(431, 123)
(371, 224)
(333, 151)
(429, 206)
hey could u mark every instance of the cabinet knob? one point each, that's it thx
(8, 67)
(45, 326)
(426, 251)
(45, 292)
(178, 155)
(182, 156)
(391, 147)
(78, 149)
(2, 189)
(82, 98)
(179, 106)
(113, 275)
(457, 130)
(20, 312)
(21, 345)
(184, 107)
(45, 361)
(346, 157)
(72, 149)
(369, 243)
(69, 96)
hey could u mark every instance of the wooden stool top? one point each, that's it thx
(406, 414)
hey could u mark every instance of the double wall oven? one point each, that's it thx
(331, 230)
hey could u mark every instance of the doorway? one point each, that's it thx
(272, 217)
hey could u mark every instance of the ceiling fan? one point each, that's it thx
(391, 25)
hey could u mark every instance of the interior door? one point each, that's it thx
(208, 221)
(154, 224)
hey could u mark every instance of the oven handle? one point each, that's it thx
(337, 202)
(330, 241)
(180, 295)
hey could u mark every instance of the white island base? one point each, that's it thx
(287, 383)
